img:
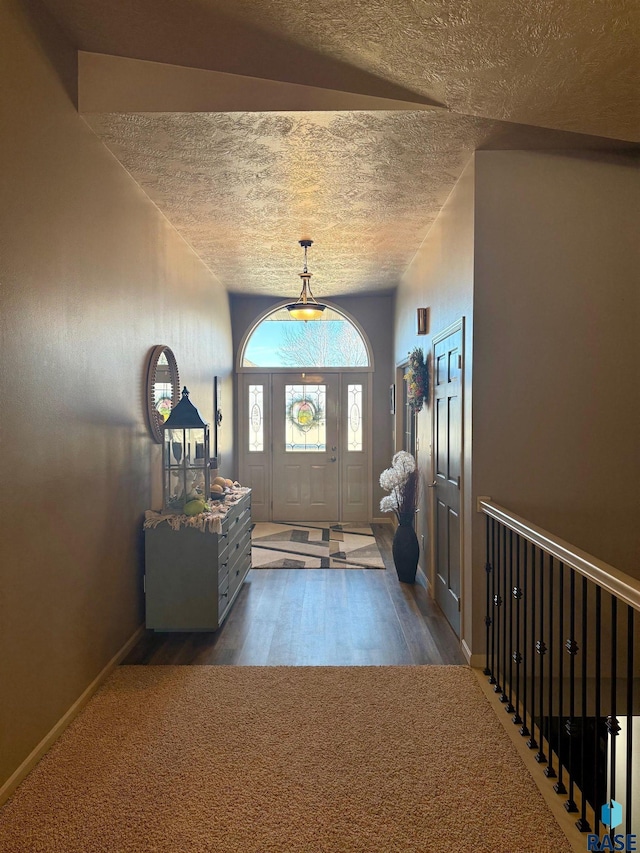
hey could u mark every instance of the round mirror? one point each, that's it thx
(163, 388)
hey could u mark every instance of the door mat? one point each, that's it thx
(277, 545)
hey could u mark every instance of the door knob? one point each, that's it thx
(334, 447)
(333, 458)
(432, 485)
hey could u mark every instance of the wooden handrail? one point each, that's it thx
(622, 586)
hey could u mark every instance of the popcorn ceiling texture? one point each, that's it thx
(567, 64)
(242, 188)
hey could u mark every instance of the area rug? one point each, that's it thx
(275, 545)
(197, 759)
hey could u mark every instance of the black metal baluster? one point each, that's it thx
(488, 569)
(509, 708)
(549, 772)
(612, 720)
(541, 648)
(497, 609)
(598, 795)
(582, 823)
(559, 787)
(572, 649)
(503, 695)
(517, 656)
(492, 679)
(532, 743)
(630, 620)
(526, 597)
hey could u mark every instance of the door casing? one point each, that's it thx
(257, 469)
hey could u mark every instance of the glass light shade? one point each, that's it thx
(306, 308)
(308, 311)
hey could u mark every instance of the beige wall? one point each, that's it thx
(91, 277)
(546, 251)
(557, 348)
(375, 315)
(440, 278)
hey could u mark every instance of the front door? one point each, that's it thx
(447, 460)
(305, 447)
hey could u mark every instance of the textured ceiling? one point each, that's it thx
(566, 64)
(243, 187)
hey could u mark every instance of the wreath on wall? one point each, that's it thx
(417, 379)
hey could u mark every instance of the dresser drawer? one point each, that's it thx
(239, 546)
(223, 573)
(239, 570)
(238, 521)
(223, 595)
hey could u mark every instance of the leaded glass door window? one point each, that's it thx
(305, 418)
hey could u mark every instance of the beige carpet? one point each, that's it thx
(188, 759)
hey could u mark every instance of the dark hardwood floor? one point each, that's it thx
(315, 617)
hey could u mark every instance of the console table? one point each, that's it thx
(193, 576)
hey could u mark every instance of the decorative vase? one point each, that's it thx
(406, 550)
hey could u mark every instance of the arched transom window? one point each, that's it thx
(280, 341)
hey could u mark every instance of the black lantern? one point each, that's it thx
(185, 458)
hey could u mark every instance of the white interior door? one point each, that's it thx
(305, 472)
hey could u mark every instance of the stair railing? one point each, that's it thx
(563, 654)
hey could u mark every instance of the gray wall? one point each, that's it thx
(92, 277)
(440, 278)
(557, 312)
(540, 252)
(375, 315)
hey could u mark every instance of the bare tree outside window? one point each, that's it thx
(330, 343)
(279, 341)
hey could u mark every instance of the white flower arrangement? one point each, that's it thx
(401, 480)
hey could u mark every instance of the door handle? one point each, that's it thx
(334, 447)
(432, 485)
(333, 458)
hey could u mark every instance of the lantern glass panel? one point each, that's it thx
(185, 464)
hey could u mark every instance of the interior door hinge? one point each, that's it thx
(144, 583)
(459, 362)
(458, 481)
(459, 605)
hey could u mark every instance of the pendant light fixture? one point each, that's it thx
(306, 308)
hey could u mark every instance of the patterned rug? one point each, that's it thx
(276, 545)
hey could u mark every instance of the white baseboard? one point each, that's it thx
(50, 738)
(475, 661)
(565, 819)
